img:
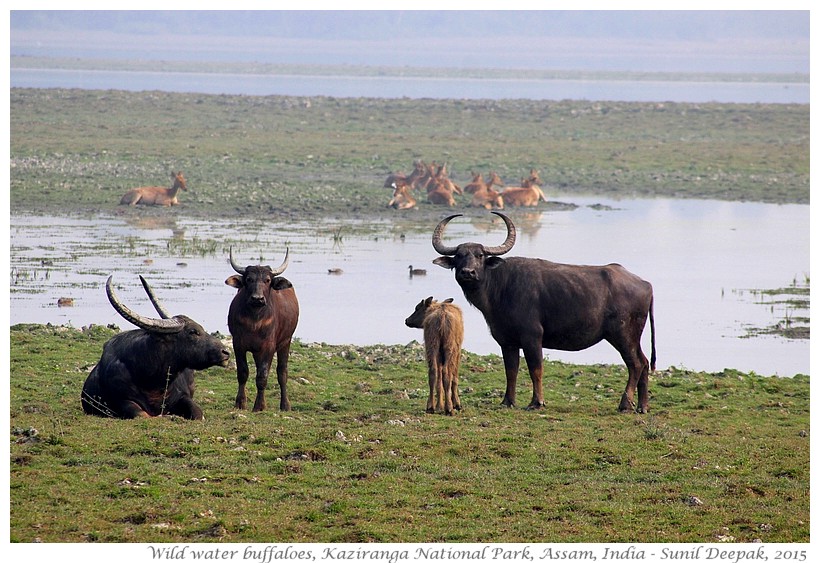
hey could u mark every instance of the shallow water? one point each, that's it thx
(416, 87)
(703, 258)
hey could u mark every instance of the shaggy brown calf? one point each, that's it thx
(443, 335)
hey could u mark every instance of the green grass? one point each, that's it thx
(720, 455)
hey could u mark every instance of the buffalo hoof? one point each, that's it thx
(626, 405)
(535, 406)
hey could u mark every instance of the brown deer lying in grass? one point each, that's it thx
(527, 195)
(156, 195)
(401, 196)
(483, 193)
(443, 336)
(478, 183)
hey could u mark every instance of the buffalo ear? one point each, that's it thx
(445, 262)
(234, 281)
(279, 284)
(493, 262)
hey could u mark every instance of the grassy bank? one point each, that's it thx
(721, 457)
(357, 459)
(80, 150)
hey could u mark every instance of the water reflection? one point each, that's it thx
(702, 257)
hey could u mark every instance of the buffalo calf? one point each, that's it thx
(443, 336)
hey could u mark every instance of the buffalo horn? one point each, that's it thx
(282, 267)
(154, 301)
(274, 271)
(507, 245)
(437, 244)
(235, 266)
(145, 323)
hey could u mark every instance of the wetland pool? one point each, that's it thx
(706, 261)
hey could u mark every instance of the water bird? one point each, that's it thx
(416, 271)
(334, 271)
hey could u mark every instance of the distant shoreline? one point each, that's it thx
(73, 63)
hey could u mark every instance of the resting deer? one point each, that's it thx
(156, 195)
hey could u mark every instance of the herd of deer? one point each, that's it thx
(441, 190)
(431, 179)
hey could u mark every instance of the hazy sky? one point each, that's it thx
(713, 41)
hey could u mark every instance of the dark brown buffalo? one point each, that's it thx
(261, 319)
(530, 304)
(150, 371)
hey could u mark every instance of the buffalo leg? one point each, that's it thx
(187, 408)
(262, 368)
(643, 388)
(242, 373)
(282, 376)
(638, 367)
(441, 401)
(511, 362)
(432, 373)
(447, 390)
(534, 356)
(129, 409)
(454, 387)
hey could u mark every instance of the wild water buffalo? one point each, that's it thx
(261, 319)
(150, 371)
(443, 336)
(530, 304)
(156, 195)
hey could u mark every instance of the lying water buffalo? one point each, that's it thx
(262, 318)
(530, 304)
(150, 371)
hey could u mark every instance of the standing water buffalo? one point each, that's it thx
(261, 319)
(150, 371)
(530, 304)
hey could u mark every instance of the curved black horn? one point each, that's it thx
(282, 267)
(234, 265)
(154, 301)
(437, 244)
(145, 323)
(507, 245)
